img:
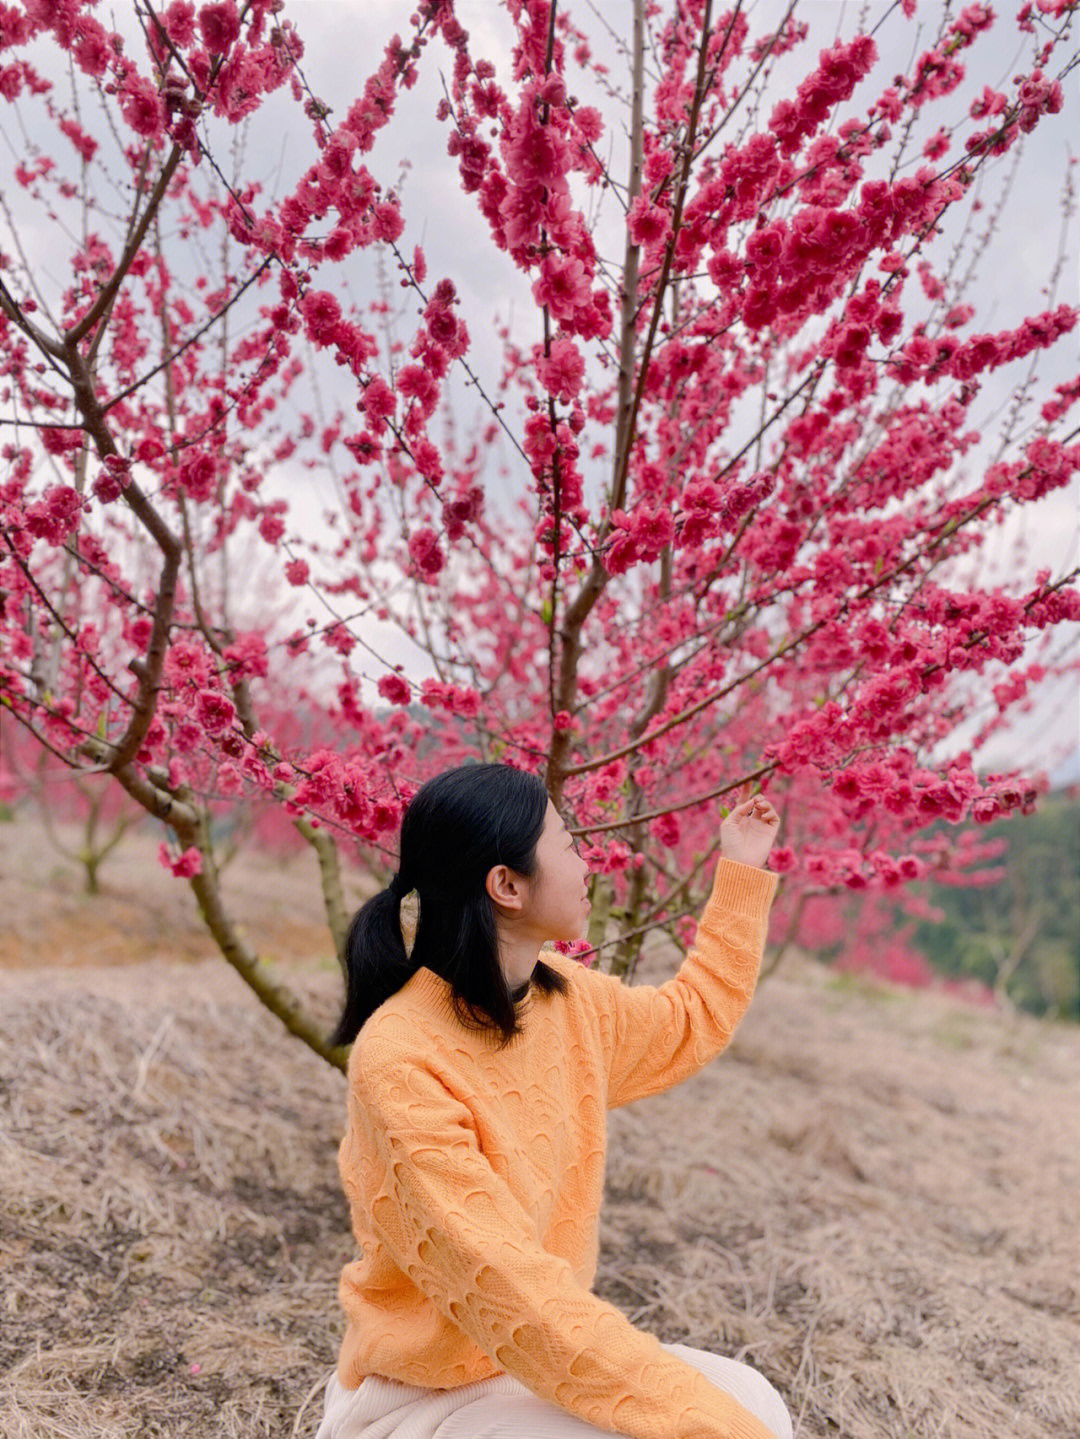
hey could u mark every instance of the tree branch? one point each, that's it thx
(131, 249)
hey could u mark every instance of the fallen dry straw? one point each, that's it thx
(872, 1197)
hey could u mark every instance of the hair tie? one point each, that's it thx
(397, 887)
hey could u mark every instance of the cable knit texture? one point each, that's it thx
(475, 1178)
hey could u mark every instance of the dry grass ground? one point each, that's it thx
(872, 1196)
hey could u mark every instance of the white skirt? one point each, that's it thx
(502, 1407)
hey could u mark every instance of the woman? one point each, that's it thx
(473, 1158)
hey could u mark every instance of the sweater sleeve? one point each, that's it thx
(655, 1037)
(454, 1226)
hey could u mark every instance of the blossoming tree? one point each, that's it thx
(745, 528)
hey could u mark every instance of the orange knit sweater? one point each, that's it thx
(475, 1178)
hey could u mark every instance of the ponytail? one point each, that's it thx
(376, 962)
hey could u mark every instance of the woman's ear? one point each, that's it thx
(505, 887)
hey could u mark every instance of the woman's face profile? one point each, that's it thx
(552, 902)
(559, 901)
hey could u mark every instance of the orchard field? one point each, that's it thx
(871, 1195)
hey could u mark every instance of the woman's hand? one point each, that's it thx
(747, 834)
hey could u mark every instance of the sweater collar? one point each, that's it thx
(431, 986)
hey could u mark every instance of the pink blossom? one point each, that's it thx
(839, 71)
(338, 154)
(219, 25)
(454, 698)
(184, 866)
(419, 385)
(111, 482)
(271, 526)
(536, 154)
(338, 637)
(473, 154)
(179, 22)
(622, 546)
(378, 401)
(426, 553)
(563, 286)
(443, 325)
(321, 313)
(188, 663)
(609, 858)
(654, 530)
(246, 657)
(229, 779)
(297, 572)
(395, 688)
(198, 475)
(85, 144)
(590, 123)
(986, 809)
(386, 222)
(55, 517)
(667, 830)
(90, 46)
(427, 460)
(186, 736)
(214, 711)
(959, 315)
(579, 949)
(464, 508)
(140, 106)
(562, 372)
(647, 223)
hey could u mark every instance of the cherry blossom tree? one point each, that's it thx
(743, 495)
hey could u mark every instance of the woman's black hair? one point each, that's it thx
(457, 827)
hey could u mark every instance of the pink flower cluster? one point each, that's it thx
(926, 358)
(641, 535)
(113, 479)
(246, 657)
(562, 371)
(1067, 395)
(937, 71)
(350, 789)
(796, 268)
(526, 200)
(56, 516)
(395, 688)
(839, 71)
(426, 553)
(188, 665)
(709, 508)
(185, 865)
(454, 699)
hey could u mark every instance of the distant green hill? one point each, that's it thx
(1020, 936)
